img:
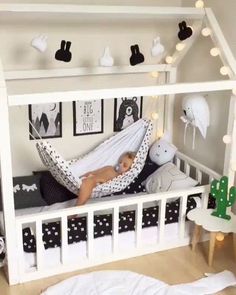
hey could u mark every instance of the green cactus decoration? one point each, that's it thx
(219, 191)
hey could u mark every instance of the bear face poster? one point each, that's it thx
(127, 110)
(88, 117)
(46, 119)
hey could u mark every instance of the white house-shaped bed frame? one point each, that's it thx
(13, 225)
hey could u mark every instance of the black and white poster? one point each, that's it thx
(88, 117)
(127, 110)
(46, 119)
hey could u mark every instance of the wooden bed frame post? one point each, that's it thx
(170, 104)
(7, 186)
(230, 150)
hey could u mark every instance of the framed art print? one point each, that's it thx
(47, 120)
(127, 110)
(88, 117)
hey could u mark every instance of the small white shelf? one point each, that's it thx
(131, 11)
(84, 71)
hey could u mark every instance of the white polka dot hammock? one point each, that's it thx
(134, 138)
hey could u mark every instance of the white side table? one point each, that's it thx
(204, 219)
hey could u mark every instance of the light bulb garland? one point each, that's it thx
(215, 51)
(159, 134)
(155, 74)
(180, 46)
(169, 59)
(206, 32)
(199, 4)
(227, 139)
(155, 116)
(224, 70)
(220, 237)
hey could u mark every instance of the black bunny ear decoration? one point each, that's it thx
(64, 54)
(185, 32)
(136, 57)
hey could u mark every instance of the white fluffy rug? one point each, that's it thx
(130, 283)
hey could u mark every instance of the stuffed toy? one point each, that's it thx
(162, 150)
(197, 114)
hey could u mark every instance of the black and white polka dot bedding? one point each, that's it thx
(77, 227)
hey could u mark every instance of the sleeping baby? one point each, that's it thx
(104, 174)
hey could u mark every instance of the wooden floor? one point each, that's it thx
(175, 266)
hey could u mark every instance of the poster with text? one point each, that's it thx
(88, 117)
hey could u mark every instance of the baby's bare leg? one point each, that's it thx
(85, 190)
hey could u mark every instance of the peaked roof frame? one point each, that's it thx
(170, 89)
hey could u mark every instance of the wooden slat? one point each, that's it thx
(7, 187)
(230, 157)
(169, 105)
(107, 205)
(186, 168)
(199, 176)
(66, 96)
(64, 240)
(90, 234)
(115, 229)
(20, 250)
(178, 163)
(83, 71)
(205, 198)
(161, 220)
(138, 224)
(182, 215)
(39, 245)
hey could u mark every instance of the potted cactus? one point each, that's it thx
(219, 191)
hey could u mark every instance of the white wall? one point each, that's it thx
(88, 40)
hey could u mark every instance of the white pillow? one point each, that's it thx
(168, 178)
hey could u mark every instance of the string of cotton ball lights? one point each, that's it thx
(220, 237)
(206, 32)
(215, 51)
(199, 4)
(180, 46)
(154, 74)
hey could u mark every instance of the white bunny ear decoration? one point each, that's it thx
(106, 60)
(40, 43)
